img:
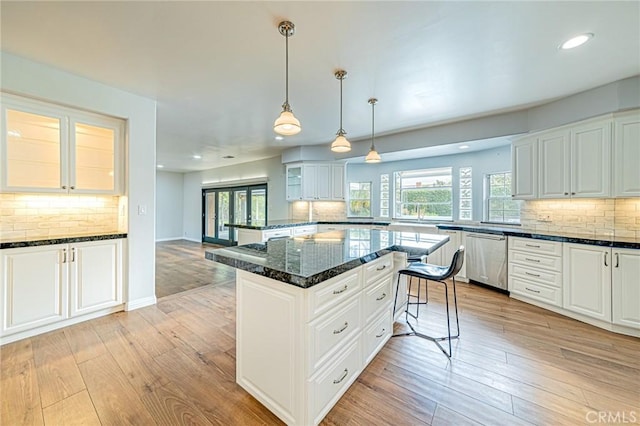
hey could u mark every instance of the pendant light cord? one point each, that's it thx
(373, 117)
(341, 130)
(286, 73)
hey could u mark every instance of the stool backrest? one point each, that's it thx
(456, 263)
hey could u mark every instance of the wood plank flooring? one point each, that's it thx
(174, 364)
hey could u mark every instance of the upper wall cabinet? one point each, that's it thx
(524, 166)
(45, 148)
(315, 181)
(626, 154)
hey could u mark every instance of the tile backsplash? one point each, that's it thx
(604, 217)
(320, 210)
(32, 216)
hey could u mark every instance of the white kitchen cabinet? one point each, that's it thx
(591, 159)
(554, 152)
(34, 287)
(294, 182)
(337, 181)
(625, 265)
(315, 181)
(626, 154)
(524, 169)
(50, 286)
(587, 280)
(54, 149)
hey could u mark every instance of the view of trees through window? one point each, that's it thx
(360, 199)
(424, 194)
(500, 206)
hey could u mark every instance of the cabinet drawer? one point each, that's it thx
(328, 385)
(377, 296)
(329, 294)
(329, 228)
(536, 261)
(304, 230)
(550, 248)
(376, 335)
(376, 269)
(275, 233)
(330, 330)
(542, 276)
(536, 291)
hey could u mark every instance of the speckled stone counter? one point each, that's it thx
(310, 260)
(60, 240)
(286, 223)
(597, 240)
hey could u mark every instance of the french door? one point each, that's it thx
(243, 205)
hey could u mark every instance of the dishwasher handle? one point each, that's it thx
(487, 237)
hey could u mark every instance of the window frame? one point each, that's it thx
(428, 172)
(488, 198)
(350, 212)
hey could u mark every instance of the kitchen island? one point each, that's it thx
(313, 311)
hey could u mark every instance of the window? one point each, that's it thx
(465, 210)
(500, 206)
(384, 195)
(360, 199)
(424, 194)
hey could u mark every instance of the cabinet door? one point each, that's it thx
(591, 160)
(95, 276)
(94, 156)
(554, 159)
(626, 287)
(587, 280)
(337, 181)
(626, 152)
(524, 166)
(323, 182)
(309, 181)
(294, 182)
(34, 287)
(34, 147)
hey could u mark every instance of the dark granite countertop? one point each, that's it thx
(312, 259)
(287, 223)
(591, 239)
(60, 240)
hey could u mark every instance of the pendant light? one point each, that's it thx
(372, 156)
(286, 124)
(341, 144)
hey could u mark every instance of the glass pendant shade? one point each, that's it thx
(341, 144)
(287, 124)
(373, 157)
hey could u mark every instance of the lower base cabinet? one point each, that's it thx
(626, 287)
(45, 285)
(587, 280)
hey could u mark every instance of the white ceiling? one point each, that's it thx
(216, 69)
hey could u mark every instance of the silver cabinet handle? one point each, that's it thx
(532, 260)
(531, 290)
(64, 186)
(381, 297)
(617, 260)
(382, 268)
(566, 193)
(342, 290)
(532, 245)
(346, 372)
(73, 254)
(64, 255)
(381, 333)
(605, 259)
(346, 324)
(72, 187)
(532, 275)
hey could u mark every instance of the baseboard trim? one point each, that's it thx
(192, 239)
(140, 303)
(168, 239)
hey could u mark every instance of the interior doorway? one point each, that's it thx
(241, 205)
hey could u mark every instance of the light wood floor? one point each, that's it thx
(174, 364)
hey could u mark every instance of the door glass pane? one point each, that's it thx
(223, 216)
(210, 215)
(240, 207)
(33, 150)
(95, 157)
(259, 207)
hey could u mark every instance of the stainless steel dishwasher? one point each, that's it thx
(487, 259)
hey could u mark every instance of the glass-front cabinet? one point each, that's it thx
(47, 148)
(294, 182)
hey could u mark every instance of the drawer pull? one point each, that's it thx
(381, 333)
(73, 254)
(617, 261)
(605, 259)
(346, 324)
(532, 245)
(531, 290)
(342, 290)
(382, 268)
(532, 275)
(532, 260)
(346, 372)
(381, 297)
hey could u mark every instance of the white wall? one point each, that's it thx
(169, 198)
(27, 78)
(271, 168)
(483, 162)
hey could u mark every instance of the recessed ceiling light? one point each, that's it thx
(463, 147)
(197, 157)
(279, 138)
(160, 166)
(576, 41)
(228, 156)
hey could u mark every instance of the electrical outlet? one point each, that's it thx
(544, 218)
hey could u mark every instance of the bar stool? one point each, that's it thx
(436, 273)
(416, 259)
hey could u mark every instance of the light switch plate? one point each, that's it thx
(142, 209)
